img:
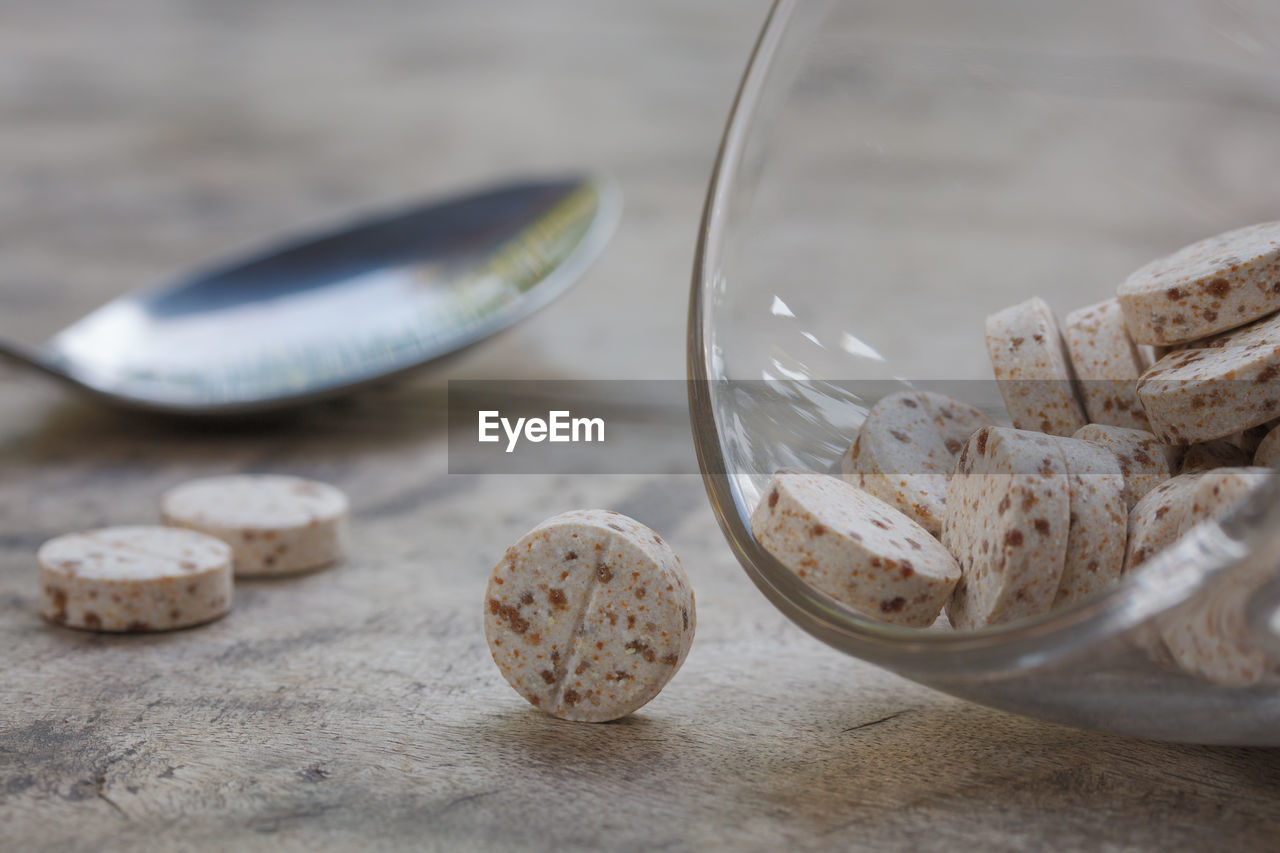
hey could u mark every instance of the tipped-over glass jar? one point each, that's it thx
(895, 170)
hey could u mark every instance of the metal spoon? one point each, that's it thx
(324, 314)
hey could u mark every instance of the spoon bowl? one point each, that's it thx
(334, 310)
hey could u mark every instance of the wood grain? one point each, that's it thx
(358, 706)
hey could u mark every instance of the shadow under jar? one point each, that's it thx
(894, 171)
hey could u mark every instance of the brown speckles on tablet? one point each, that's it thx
(861, 555)
(1012, 561)
(275, 524)
(904, 454)
(1098, 520)
(596, 660)
(1217, 387)
(1107, 364)
(1204, 288)
(1144, 460)
(1035, 379)
(132, 579)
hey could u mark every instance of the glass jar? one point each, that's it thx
(893, 171)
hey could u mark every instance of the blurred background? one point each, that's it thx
(141, 138)
(359, 707)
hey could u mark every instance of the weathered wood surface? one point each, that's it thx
(358, 707)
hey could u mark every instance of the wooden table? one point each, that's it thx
(358, 707)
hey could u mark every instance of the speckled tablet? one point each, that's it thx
(1107, 364)
(589, 615)
(1031, 366)
(1007, 521)
(1224, 385)
(134, 579)
(1209, 638)
(1145, 461)
(1157, 520)
(855, 547)
(1207, 287)
(1173, 509)
(907, 448)
(1098, 526)
(275, 524)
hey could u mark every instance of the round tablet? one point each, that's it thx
(1224, 385)
(589, 615)
(1145, 461)
(1173, 509)
(1221, 490)
(275, 524)
(134, 579)
(1032, 369)
(1210, 637)
(1098, 522)
(907, 448)
(855, 547)
(1007, 520)
(1207, 287)
(1107, 364)
(1157, 520)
